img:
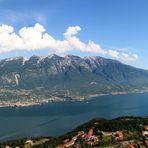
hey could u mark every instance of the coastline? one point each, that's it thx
(57, 99)
(117, 132)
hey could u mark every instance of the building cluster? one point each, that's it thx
(68, 142)
(29, 142)
(89, 138)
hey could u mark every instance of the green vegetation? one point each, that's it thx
(72, 78)
(104, 130)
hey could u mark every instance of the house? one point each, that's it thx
(70, 143)
(95, 138)
(80, 133)
(29, 142)
(119, 136)
(66, 140)
(145, 134)
(90, 133)
(7, 146)
(75, 138)
(89, 143)
(83, 136)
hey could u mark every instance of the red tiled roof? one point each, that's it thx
(89, 143)
(70, 143)
(119, 135)
(66, 140)
(90, 132)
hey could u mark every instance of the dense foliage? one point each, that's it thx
(134, 124)
(67, 77)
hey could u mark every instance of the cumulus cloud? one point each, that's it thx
(113, 53)
(71, 31)
(36, 38)
(129, 57)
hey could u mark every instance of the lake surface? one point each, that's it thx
(58, 118)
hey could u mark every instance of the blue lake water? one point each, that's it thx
(58, 118)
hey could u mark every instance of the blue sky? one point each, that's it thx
(117, 28)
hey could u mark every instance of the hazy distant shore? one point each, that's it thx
(28, 103)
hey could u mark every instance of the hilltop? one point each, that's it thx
(123, 132)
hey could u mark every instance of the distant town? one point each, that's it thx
(37, 79)
(25, 100)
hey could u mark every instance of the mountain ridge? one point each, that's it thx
(67, 77)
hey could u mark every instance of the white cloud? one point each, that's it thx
(6, 29)
(36, 38)
(113, 53)
(71, 31)
(129, 57)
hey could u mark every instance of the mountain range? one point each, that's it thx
(67, 77)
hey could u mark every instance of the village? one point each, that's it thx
(128, 133)
(113, 139)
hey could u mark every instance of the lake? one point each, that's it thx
(58, 118)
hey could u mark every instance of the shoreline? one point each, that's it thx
(112, 127)
(28, 103)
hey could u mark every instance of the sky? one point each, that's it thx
(116, 29)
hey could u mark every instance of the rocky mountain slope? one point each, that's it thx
(69, 76)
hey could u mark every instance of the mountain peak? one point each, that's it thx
(72, 56)
(53, 56)
(68, 76)
(35, 57)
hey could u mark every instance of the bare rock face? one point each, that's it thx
(70, 75)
